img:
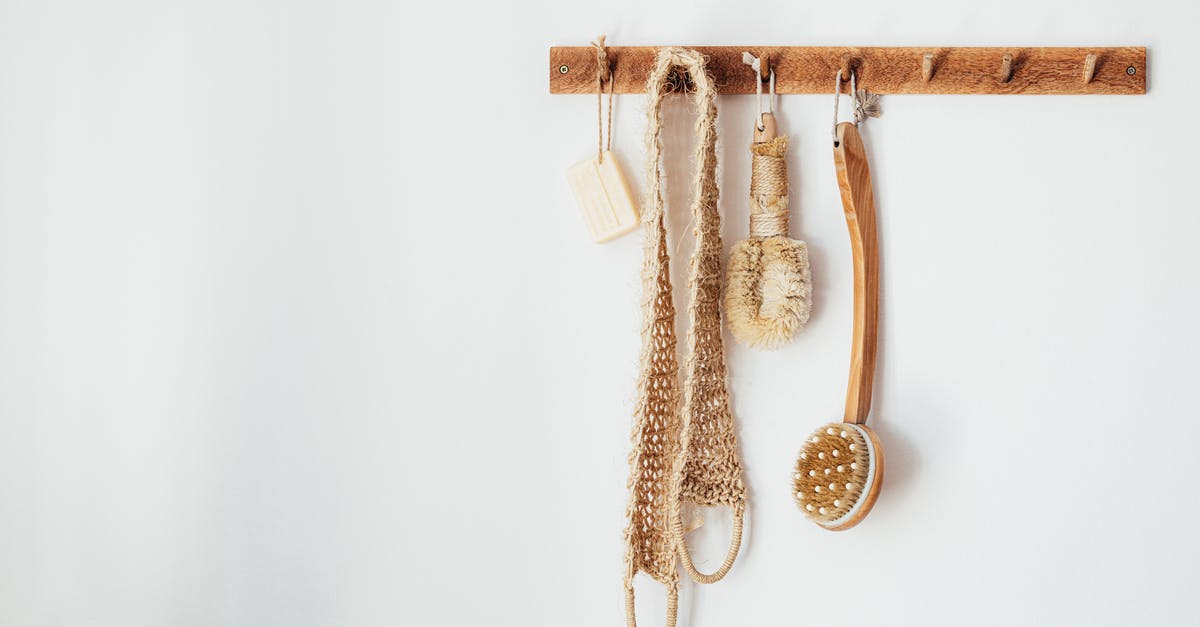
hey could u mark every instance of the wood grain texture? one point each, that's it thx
(858, 203)
(811, 70)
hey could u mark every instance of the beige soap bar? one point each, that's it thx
(603, 196)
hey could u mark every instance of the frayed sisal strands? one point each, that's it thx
(684, 445)
(769, 292)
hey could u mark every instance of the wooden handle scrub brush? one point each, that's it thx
(769, 292)
(840, 468)
(684, 446)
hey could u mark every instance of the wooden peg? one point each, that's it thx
(927, 67)
(764, 62)
(847, 67)
(1006, 68)
(1089, 68)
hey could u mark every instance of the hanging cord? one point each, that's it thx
(837, 92)
(864, 103)
(603, 73)
(756, 64)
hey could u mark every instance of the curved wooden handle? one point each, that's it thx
(858, 201)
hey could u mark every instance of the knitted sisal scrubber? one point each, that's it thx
(684, 446)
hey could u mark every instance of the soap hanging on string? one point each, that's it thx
(598, 184)
(603, 197)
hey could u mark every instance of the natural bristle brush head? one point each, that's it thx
(769, 293)
(838, 474)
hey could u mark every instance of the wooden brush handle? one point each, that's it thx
(765, 128)
(858, 201)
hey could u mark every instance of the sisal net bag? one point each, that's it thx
(684, 445)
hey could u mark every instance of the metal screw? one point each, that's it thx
(562, 69)
(1131, 70)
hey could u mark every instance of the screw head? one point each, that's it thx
(562, 69)
(1131, 70)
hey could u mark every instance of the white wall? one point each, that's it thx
(299, 324)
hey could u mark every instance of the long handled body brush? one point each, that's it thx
(840, 468)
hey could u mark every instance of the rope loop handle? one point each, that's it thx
(672, 605)
(735, 545)
(837, 92)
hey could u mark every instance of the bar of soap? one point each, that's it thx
(603, 197)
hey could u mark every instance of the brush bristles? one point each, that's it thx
(769, 293)
(831, 472)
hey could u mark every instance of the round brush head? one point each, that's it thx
(838, 475)
(768, 294)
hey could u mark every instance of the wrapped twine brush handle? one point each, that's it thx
(768, 182)
(684, 445)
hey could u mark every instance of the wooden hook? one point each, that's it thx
(927, 67)
(764, 62)
(1006, 68)
(847, 67)
(1089, 68)
(606, 72)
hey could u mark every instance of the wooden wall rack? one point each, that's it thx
(812, 70)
